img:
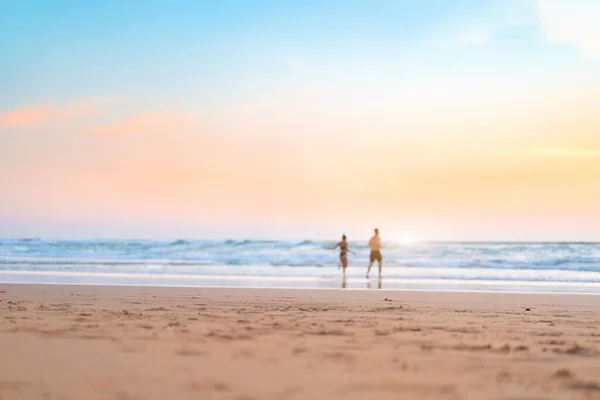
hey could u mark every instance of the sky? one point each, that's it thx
(432, 120)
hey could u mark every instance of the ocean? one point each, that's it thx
(469, 266)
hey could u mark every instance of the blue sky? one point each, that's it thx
(203, 49)
(211, 50)
(282, 117)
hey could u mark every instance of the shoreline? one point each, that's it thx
(293, 278)
(304, 283)
(591, 299)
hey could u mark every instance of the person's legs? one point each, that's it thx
(379, 260)
(371, 261)
(344, 262)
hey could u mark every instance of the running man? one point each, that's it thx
(375, 245)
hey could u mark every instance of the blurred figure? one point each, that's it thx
(375, 245)
(343, 245)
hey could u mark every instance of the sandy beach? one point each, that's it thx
(117, 342)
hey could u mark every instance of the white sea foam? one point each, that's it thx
(268, 261)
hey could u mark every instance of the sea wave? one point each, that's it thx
(561, 262)
(168, 269)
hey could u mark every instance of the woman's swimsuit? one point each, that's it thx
(343, 253)
(343, 248)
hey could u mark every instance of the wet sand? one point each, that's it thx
(117, 342)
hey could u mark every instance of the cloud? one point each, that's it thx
(295, 64)
(24, 116)
(572, 21)
(50, 113)
(568, 152)
(484, 22)
(474, 37)
(308, 90)
(158, 121)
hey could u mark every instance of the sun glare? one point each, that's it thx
(408, 238)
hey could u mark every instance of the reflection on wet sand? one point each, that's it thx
(379, 284)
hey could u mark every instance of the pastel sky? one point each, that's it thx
(437, 119)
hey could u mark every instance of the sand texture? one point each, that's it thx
(130, 343)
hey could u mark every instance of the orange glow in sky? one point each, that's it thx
(486, 136)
